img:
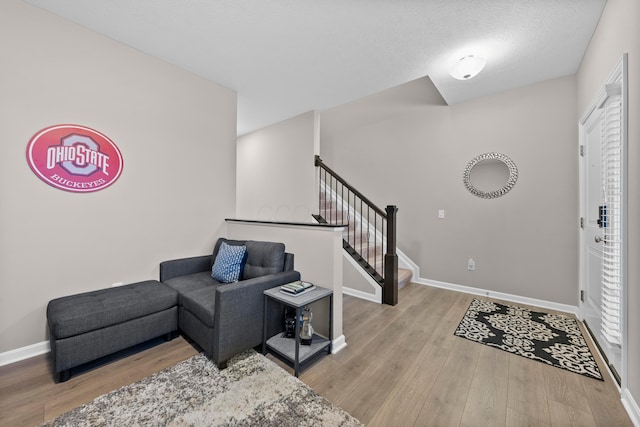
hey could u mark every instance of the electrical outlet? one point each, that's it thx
(441, 213)
(471, 264)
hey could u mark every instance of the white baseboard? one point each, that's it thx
(363, 295)
(405, 262)
(338, 344)
(23, 353)
(572, 309)
(549, 305)
(631, 406)
(376, 296)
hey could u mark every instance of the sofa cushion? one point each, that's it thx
(229, 263)
(219, 242)
(201, 303)
(190, 282)
(263, 258)
(77, 314)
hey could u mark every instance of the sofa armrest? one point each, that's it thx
(184, 266)
(239, 313)
(288, 261)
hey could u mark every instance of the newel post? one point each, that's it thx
(390, 288)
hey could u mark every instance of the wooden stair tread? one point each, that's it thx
(404, 277)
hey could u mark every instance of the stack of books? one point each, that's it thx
(296, 288)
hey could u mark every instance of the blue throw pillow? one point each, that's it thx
(229, 263)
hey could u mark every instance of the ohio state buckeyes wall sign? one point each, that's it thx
(74, 158)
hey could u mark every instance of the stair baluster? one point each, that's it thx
(374, 250)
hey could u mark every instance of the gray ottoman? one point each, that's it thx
(87, 326)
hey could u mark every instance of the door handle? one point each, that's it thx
(598, 239)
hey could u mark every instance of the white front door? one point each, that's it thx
(592, 223)
(602, 281)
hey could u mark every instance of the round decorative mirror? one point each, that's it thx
(490, 175)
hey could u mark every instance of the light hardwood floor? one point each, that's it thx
(402, 367)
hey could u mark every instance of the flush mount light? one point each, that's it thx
(467, 67)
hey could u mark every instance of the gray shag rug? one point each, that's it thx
(251, 391)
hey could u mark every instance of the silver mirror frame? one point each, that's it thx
(511, 181)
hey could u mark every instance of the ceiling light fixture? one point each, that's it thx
(467, 67)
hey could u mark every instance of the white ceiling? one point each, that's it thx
(286, 57)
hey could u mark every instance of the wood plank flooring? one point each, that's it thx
(402, 367)
(29, 396)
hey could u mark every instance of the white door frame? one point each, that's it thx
(619, 74)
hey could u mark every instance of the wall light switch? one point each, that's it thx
(441, 213)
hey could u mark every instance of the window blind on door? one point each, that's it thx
(611, 171)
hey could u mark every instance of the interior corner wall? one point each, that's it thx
(523, 243)
(617, 33)
(177, 135)
(275, 171)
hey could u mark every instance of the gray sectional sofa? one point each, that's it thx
(222, 318)
(227, 318)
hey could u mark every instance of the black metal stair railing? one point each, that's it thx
(370, 232)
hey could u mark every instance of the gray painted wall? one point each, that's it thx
(177, 135)
(275, 177)
(523, 243)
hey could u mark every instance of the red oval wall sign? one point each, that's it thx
(74, 158)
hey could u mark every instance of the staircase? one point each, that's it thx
(358, 235)
(369, 234)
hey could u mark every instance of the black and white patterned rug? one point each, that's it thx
(554, 339)
(251, 391)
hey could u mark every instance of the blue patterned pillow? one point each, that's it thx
(229, 263)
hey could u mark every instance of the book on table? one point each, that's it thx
(296, 288)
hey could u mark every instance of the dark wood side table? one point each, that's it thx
(290, 348)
